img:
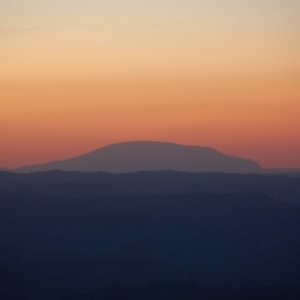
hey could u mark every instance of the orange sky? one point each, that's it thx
(78, 75)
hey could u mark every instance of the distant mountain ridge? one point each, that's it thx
(136, 156)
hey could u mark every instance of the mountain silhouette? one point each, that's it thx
(150, 156)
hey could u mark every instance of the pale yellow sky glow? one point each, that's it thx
(76, 75)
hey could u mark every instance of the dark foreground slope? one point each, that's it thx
(180, 246)
(151, 156)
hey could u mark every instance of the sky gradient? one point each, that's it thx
(77, 75)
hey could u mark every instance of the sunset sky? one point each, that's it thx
(78, 75)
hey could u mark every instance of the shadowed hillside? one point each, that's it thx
(193, 246)
(149, 235)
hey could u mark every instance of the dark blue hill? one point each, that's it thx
(98, 184)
